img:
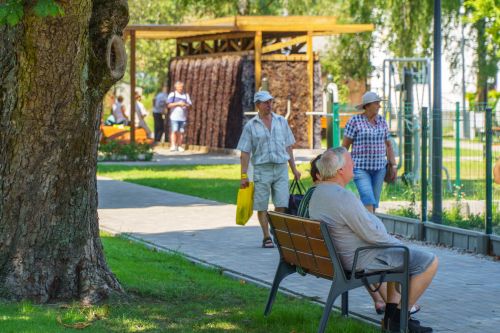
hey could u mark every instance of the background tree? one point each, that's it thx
(54, 72)
(485, 17)
(348, 57)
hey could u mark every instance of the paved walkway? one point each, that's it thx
(163, 156)
(464, 297)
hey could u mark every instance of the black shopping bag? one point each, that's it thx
(297, 191)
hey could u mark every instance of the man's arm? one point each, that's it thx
(291, 163)
(244, 160)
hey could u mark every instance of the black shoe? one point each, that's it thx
(414, 326)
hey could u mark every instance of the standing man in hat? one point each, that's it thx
(369, 136)
(268, 139)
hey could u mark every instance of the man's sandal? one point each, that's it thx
(414, 309)
(267, 243)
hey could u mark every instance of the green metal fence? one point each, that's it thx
(470, 148)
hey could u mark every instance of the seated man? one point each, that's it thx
(352, 226)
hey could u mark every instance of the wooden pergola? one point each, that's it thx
(266, 38)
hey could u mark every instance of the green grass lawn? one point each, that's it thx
(166, 293)
(221, 182)
(214, 182)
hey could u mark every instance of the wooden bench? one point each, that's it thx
(306, 247)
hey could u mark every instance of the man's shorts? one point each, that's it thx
(270, 178)
(177, 126)
(388, 259)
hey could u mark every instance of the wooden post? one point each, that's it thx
(310, 76)
(257, 57)
(132, 86)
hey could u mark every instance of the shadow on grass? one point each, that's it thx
(166, 293)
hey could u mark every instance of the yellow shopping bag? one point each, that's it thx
(244, 204)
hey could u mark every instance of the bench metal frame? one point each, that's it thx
(293, 260)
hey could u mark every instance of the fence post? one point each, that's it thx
(336, 124)
(457, 146)
(489, 171)
(329, 108)
(424, 166)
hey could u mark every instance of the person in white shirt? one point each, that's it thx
(119, 112)
(140, 114)
(179, 103)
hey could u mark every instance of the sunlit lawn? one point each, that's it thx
(166, 293)
(221, 182)
(214, 182)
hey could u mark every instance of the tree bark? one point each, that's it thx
(53, 75)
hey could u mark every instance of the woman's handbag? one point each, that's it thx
(244, 204)
(297, 191)
(390, 174)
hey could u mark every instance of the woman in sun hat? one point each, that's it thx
(368, 134)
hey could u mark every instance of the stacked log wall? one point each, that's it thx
(222, 89)
(214, 85)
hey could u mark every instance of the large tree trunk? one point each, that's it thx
(53, 75)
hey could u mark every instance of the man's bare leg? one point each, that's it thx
(370, 208)
(264, 223)
(419, 283)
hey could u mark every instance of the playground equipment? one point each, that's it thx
(406, 89)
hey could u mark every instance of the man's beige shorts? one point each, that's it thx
(270, 178)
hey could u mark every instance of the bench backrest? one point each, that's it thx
(301, 243)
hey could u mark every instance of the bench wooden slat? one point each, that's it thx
(313, 229)
(314, 265)
(295, 227)
(302, 243)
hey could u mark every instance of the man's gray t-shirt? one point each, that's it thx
(350, 224)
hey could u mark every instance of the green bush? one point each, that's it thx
(115, 150)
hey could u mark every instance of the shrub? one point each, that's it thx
(114, 150)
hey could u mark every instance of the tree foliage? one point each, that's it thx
(12, 11)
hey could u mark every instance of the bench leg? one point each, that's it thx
(345, 304)
(332, 296)
(282, 272)
(404, 305)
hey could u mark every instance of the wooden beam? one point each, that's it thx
(132, 87)
(280, 45)
(310, 76)
(234, 45)
(257, 60)
(177, 27)
(229, 20)
(212, 55)
(345, 29)
(284, 57)
(223, 45)
(250, 44)
(207, 47)
(219, 36)
(175, 34)
(294, 21)
(296, 48)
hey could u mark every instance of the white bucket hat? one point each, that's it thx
(368, 97)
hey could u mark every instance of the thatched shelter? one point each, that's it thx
(223, 61)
